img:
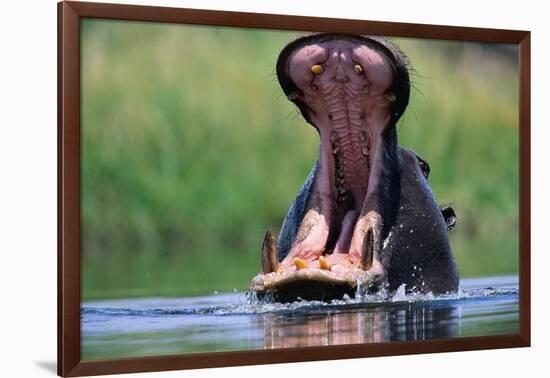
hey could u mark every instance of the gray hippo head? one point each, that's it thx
(337, 233)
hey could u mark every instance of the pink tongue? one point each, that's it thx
(344, 240)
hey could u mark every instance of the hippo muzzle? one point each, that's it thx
(325, 278)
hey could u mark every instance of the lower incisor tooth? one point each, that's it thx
(300, 263)
(324, 264)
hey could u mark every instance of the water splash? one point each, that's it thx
(249, 303)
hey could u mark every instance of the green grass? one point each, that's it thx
(190, 152)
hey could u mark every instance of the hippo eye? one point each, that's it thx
(425, 168)
(423, 165)
(317, 69)
(358, 69)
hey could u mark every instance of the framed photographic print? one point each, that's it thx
(240, 188)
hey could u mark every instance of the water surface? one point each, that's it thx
(231, 321)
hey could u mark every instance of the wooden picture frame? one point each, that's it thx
(69, 226)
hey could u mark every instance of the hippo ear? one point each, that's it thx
(449, 216)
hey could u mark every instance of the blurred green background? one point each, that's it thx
(190, 151)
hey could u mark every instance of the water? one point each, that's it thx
(231, 321)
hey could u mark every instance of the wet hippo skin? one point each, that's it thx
(365, 216)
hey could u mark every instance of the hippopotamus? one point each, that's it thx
(365, 216)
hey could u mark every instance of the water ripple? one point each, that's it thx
(252, 305)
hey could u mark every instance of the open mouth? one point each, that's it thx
(345, 87)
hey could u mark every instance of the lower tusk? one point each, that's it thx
(368, 250)
(270, 261)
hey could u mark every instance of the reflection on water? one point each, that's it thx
(157, 326)
(407, 322)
